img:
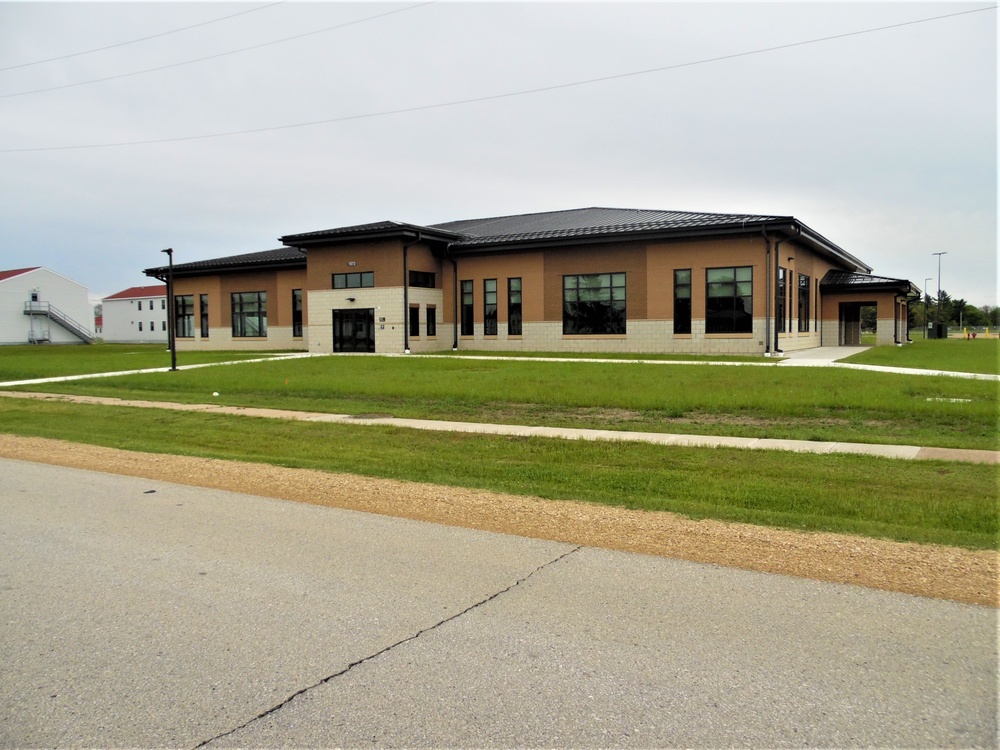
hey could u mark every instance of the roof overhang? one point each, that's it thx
(846, 282)
(269, 260)
(386, 230)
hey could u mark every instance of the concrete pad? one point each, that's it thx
(145, 614)
(885, 451)
(604, 649)
(959, 454)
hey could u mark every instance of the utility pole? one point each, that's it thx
(938, 331)
(171, 311)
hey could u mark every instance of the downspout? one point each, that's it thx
(454, 300)
(406, 293)
(767, 292)
(788, 283)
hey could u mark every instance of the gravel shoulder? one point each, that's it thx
(969, 576)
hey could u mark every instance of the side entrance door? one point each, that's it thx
(354, 330)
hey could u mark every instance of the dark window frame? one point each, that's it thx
(203, 315)
(804, 310)
(431, 321)
(595, 304)
(490, 307)
(682, 301)
(781, 300)
(422, 279)
(353, 280)
(414, 320)
(515, 289)
(297, 313)
(468, 327)
(184, 316)
(729, 300)
(249, 315)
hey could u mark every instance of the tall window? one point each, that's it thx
(423, 279)
(184, 316)
(594, 304)
(431, 321)
(729, 300)
(779, 309)
(682, 300)
(489, 307)
(467, 313)
(297, 313)
(140, 308)
(357, 280)
(249, 314)
(415, 320)
(203, 313)
(803, 303)
(514, 307)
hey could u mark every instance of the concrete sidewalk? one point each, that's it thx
(911, 452)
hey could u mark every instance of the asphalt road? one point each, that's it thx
(144, 614)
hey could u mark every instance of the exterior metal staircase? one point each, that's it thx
(47, 310)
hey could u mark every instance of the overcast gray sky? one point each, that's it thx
(885, 142)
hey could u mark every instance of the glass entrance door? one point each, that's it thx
(354, 330)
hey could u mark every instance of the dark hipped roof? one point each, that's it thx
(375, 230)
(591, 222)
(848, 281)
(525, 231)
(282, 257)
(581, 225)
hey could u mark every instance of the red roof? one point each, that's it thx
(16, 272)
(134, 292)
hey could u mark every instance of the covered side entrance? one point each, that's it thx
(845, 293)
(354, 330)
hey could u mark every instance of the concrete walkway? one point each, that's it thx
(826, 356)
(910, 452)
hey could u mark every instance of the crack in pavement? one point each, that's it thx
(352, 665)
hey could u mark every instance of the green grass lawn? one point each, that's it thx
(921, 501)
(978, 355)
(28, 362)
(793, 403)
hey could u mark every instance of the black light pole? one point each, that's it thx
(171, 312)
(938, 324)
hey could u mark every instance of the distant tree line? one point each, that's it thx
(954, 312)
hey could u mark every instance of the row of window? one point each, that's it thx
(366, 279)
(783, 311)
(592, 304)
(163, 304)
(414, 322)
(490, 320)
(152, 325)
(249, 314)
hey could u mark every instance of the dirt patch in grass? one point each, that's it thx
(923, 570)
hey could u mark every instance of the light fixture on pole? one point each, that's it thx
(171, 312)
(939, 293)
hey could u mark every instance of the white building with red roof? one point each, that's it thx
(137, 315)
(39, 306)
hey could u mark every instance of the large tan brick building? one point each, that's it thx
(584, 280)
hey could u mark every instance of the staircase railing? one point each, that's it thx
(54, 313)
